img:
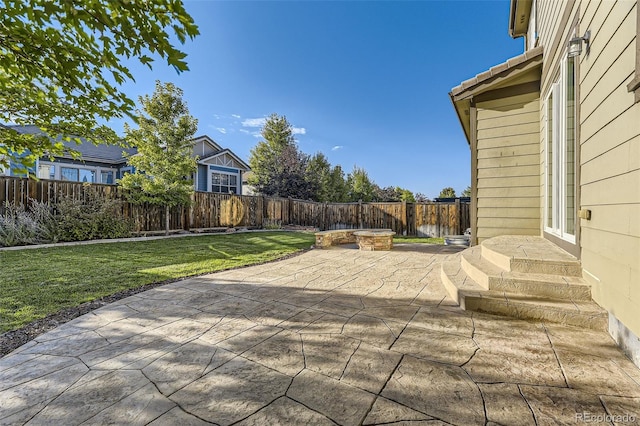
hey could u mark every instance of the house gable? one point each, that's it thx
(204, 146)
(225, 158)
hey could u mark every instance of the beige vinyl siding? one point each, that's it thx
(549, 12)
(610, 160)
(508, 188)
(609, 136)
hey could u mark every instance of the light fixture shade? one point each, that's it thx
(575, 44)
(575, 47)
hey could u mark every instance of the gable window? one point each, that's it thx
(560, 155)
(225, 183)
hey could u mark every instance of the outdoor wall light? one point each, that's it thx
(575, 44)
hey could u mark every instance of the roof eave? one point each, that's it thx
(463, 95)
(519, 14)
(463, 120)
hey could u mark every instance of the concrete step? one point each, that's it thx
(585, 314)
(455, 279)
(492, 277)
(530, 254)
(472, 296)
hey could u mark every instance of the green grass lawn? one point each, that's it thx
(37, 282)
(403, 239)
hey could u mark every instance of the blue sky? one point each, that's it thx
(364, 82)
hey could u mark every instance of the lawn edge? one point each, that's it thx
(13, 339)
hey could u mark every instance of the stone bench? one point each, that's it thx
(336, 237)
(374, 240)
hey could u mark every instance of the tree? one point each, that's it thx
(466, 192)
(164, 163)
(338, 187)
(278, 166)
(319, 176)
(361, 187)
(393, 194)
(447, 192)
(386, 194)
(406, 195)
(421, 198)
(62, 62)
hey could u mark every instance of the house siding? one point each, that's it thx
(202, 178)
(610, 161)
(507, 174)
(203, 149)
(609, 148)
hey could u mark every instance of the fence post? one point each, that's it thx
(360, 224)
(403, 215)
(459, 216)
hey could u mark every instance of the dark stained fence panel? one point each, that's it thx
(207, 210)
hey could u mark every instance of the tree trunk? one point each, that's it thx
(167, 217)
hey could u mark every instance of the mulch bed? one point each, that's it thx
(15, 338)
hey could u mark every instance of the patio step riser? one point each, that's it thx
(527, 311)
(540, 288)
(533, 266)
(529, 287)
(474, 272)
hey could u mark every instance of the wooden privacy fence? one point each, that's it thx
(210, 211)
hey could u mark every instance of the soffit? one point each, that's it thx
(523, 68)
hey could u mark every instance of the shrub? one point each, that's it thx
(271, 223)
(48, 226)
(90, 218)
(17, 226)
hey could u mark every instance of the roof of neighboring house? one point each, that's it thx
(230, 153)
(496, 77)
(113, 154)
(89, 151)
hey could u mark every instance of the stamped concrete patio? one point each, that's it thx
(335, 336)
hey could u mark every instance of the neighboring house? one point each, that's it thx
(219, 169)
(555, 145)
(247, 188)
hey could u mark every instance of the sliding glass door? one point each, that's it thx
(560, 154)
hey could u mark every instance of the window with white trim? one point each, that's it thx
(73, 173)
(560, 156)
(46, 171)
(225, 183)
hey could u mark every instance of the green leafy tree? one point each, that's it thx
(164, 163)
(447, 192)
(361, 187)
(62, 62)
(466, 192)
(279, 167)
(406, 195)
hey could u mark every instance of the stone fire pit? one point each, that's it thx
(374, 240)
